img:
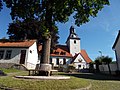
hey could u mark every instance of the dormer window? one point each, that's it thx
(63, 53)
(56, 52)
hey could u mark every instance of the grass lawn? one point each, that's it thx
(30, 84)
(78, 80)
(100, 81)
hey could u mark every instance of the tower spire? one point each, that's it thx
(72, 31)
(73, 41)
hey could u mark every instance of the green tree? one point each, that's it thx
(30, 29)
(98, 61)
(91, 67)
(107, 60)
(1, 5)
(52, 11)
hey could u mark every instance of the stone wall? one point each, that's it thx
(6, 65)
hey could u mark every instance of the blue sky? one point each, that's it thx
(98, 34)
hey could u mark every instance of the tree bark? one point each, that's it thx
(46, 50)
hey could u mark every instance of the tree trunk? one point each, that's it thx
(97, 68)
(46, 50)
(109, 69)
(45, 67)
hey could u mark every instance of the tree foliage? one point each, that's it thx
(30, 29)
(57, 10)
(1, 5)
(103, 59)
(51, 11)
(107, 59)
(98, 61)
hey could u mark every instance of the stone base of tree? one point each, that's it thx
(45, 69)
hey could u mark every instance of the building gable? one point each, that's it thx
(81, 57)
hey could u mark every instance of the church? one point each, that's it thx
(28, 54)
(71, 53)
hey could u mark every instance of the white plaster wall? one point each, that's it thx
(15, 56)
(32, 56)
(117, 48)
(79, 57)
(54, 60)
(83, 63)
(74, 47)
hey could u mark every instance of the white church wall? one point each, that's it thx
(74, 47)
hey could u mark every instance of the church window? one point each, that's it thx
(63, 53)
(56, 52)
(79, 66)
(74, 41)
(57, 62)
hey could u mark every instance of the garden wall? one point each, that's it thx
(104, 68)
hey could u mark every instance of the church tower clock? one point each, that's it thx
(73, 42)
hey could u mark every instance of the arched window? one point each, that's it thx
(74, 41)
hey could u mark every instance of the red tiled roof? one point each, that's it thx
(61, 50)
(25, 43)
(84, 55)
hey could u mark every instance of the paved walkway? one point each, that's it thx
(44, 77)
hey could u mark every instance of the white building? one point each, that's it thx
(19, 52)
(70, 53)
(116, 48)
(26, 53)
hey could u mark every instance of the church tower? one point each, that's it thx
(73, 42)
